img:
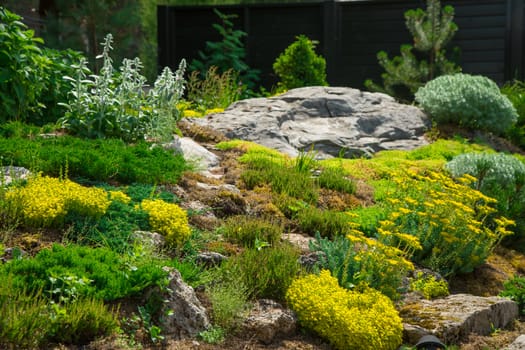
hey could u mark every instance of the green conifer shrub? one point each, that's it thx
(432, 31)
(470, 101)
(300, 66)
(229, 53)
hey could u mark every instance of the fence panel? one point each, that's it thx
(350, 33)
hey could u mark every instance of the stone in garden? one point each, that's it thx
(13, 173)
(149, 239)
(453, 318)
(335, 121)
(518, 344)
(269, 320)
(188, 317)
(210, 259)
(193, 152)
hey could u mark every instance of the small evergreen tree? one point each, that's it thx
(432, 31)
(229, 53)
(300, 66)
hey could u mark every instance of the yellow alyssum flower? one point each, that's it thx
(167, 219)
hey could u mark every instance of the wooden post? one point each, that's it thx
(515, 59)
(331, 37)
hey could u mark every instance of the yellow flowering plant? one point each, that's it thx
(45, 201)
(348, 319)
(443, 224)
(167, 219)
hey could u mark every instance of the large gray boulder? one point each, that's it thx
(335, 121)
(453, 318)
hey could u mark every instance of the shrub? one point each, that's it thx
(515, 92)
(229, 53)
(93, 272)
(432, 31)
(514, 288)
(229, 301)
(347, 319)
(266, 272)
(31, 321)
(247, 230)
(109, 160)
(22, 68)
(116, 105)
(499, 176)
(45, 201)
(328, 223)
(429, 286)
(300, 66)
(450, 221)
(335, 178)
(474, 102)
(168, 219)
(215, 90)
(356, 261)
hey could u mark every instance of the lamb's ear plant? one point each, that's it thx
(114, 104)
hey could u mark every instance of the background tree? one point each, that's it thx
(432, 31)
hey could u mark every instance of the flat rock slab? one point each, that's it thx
(334, 121)
(453, 318)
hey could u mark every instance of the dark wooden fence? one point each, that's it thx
(350, 33)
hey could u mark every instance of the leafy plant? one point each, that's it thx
(473, 102)
(300, 66)
(356, 261)
(335, 178)
(115, 105)
(515, 92)
(449, 223)
(229, 53)
(514, 288)
(366, 320)
(111, 276)
(432, 31)
(214, 335)
(22, 66)
(497, 175)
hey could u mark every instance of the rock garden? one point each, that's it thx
(197, 213)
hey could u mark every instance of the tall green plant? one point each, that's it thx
(432, 31)
(229, 53)
(22, 67)
(114, 104)
(300, 66)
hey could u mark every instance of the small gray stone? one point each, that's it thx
(269, 320)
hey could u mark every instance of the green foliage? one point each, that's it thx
(470, 101)
(515, 92)
(266, 273)
(327, 223)
(405, 74)
(443, 224)
(215, 90)
(247, 230)
(300, 66)
(31, 321)
(229, 301)
(497, 175)
(335, 178)
(514, 289)
(106, 274)
(109, 160)
(229, 53)
(367, 320)
(429, 286)
(283, 178)
(116, 105)
(356, 261)
(214, 335)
